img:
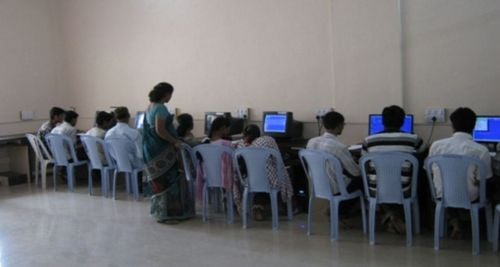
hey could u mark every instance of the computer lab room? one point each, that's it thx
(249, 133)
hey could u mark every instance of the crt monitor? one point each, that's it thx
(280, 124)
(487, 129)
(210, 117)
(375, 124)
(139, 119)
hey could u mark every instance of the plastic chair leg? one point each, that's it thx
(44, 175)
(496, 225)
(54, 172)
(489, 220)
(37, 165)
(289, 209)
(104, 182)
(334, 219)
(115, 173)
(230, 208)
(274, 209)
(205, 203)
(371, 221)
(416, 217)
(135, 185)
(408, 223)
(475, 230)
(363, 213)
(71, 178)
(309, 216)
(438, 224)
(90, 185)
(127, 183)
(244, 216)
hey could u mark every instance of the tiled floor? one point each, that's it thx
(49, 228)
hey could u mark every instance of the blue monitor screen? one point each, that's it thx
(376, 125)
(487, 129)
(275, 123)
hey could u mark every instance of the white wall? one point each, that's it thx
(282, 55)
(30, 62)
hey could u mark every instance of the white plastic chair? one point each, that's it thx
(43, 158)
(496, 225)
(119, 151)
(388, 167)
(315, 164)
(189, 165)
(211, 156)
(91, 144)
(60, 145)
(255, 160)
(455, 193)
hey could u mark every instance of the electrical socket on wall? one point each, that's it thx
(439, 115)
(321, 112)
(26, 115)
(241, 113)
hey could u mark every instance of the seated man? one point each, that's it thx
(68, 126)
(103, 122)
(328, 142)
(56, 117)
(122, 130)
(393, 139)
(460, 143)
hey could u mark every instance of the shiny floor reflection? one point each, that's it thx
(46, 228)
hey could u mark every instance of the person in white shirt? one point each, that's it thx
(328, 142)
(122, 130)
(460, 143)
(103, 121)
(56, 117)
(68, 126)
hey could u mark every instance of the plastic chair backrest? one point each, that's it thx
(91, 144)
(255, 160)
(315, 164)
(454, 176)
(388, 167)
(188, 161)
(211, 156)
(119, 152)
(60, 145)
(35, 145)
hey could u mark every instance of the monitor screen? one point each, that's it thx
(139, 119)
(487, 129)
(275, 123)
(375, 124)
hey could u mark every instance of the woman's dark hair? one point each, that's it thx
(217, 124)
(160, 91)
(103, 117)
(251, 132)
(185, 124)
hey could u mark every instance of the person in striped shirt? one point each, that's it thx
(393, 139)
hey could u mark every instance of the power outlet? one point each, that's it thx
(321, 112)
(26, 115)
(241, 113)
(438, 113)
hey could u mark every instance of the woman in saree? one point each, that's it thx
(170, 200)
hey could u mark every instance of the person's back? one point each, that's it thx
(123, 131)
(461, 143)
(68, 126)
(103, 122)
(328, 142)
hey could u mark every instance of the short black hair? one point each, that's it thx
(121, 113)
(185, 121)
(251, 132)
(70, 115)
(102, 117)
(332, 120)
(463, 119)
(56, 111)
(393, 117)
(160, 91)
(218, 124)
